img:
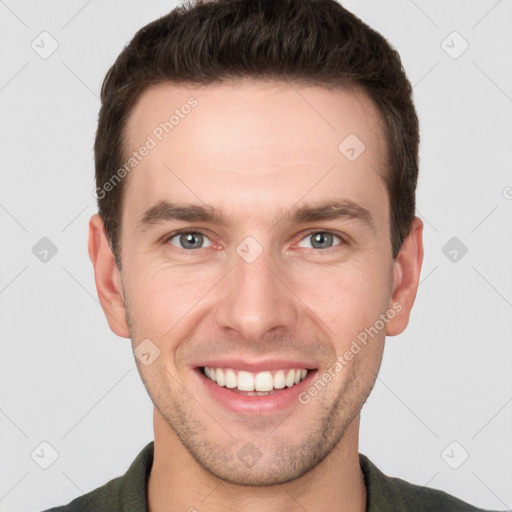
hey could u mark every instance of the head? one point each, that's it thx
(256, 166)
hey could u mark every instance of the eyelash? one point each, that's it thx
(309, 232)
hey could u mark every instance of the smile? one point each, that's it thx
(257, 388)
(261, 384)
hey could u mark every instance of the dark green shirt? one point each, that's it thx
(384, 494)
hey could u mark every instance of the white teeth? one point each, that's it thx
(230, 378)
(256, 384)
(245, 381)
(290, 379)
(279, 379)
(264, 382)
(220, 377)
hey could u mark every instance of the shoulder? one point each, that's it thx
(391, 493)
(102, 498)
(124, 493)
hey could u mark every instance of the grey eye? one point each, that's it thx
(319, 240)
(190, 240)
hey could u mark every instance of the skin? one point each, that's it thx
(254, 150)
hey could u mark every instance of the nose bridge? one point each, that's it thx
(254, 300)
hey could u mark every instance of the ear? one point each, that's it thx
(406, 275)
(107, 277)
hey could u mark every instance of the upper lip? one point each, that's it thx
(255, 366)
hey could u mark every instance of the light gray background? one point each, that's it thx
(69, 381)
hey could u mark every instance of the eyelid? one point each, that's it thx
(344, 238)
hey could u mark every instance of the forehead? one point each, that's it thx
(259, 143)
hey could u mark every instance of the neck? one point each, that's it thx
(178, 483)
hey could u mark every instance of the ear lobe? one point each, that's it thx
(107, 277)
(407, 270)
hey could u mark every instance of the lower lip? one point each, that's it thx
(277, 401)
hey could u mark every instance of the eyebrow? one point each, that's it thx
(347, 209)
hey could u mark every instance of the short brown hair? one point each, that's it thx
(316, 42)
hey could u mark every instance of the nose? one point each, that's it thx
(255, 297)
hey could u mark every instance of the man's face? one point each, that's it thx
(258, 292)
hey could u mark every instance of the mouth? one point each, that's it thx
(256, 392)
(255, 384)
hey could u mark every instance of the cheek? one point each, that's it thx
(348, 298)
(161, 296)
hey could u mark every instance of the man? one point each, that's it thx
(256, 166)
